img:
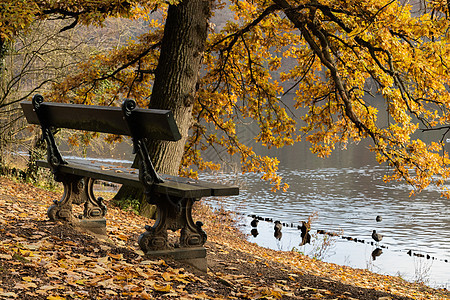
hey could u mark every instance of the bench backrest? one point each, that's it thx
(151, 123)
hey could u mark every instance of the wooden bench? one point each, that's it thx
(174, 196)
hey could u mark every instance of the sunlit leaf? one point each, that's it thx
(55, 298)
(162, 288)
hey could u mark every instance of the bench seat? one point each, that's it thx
(174, 186)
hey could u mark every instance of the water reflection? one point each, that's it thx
(306, 237)
(377, 252)
(277, 230)
(278, 234)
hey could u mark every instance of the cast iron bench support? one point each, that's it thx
(79, 190)
(174, 196)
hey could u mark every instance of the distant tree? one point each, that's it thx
(342, 51)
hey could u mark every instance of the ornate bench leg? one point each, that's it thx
(192, 234)
(93, 208)
(173, 215)
(155, 237)
(73, 193)
(79, 190)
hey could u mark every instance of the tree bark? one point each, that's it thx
(176, 77)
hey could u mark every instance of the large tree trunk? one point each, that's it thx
(176, 77)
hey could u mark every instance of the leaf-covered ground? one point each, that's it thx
(40, 259)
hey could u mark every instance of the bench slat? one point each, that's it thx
(172, 186)
(216, 188)
(152, 123)
(86, 171)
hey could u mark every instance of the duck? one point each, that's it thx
(379, 219)
(254, 222)
(376, 236)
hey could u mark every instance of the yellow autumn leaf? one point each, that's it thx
(55, 298)
(25, 285)
(103, 260)
(162, 288)
(122, 237)
(168, 276)
(81, 281)
(27, 278)
(116, 256)
(26, 253)
(144, 295)
(182, 278)
(8, 295)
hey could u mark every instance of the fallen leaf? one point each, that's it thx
(168, 276)
(81, 281)
(116, 256)
(55, 298)
(103, 260)
(45, 288)
(27, 278)
(122, 237)
(109, 283)
(9, 295)
(151, 262)
(110, 292)
(25, 285)
(162, 288)
(144, 295)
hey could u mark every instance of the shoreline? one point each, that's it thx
(237, 268)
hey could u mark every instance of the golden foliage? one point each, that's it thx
(343, 51)
(333, 54)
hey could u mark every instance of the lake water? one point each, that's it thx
(345, 193)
